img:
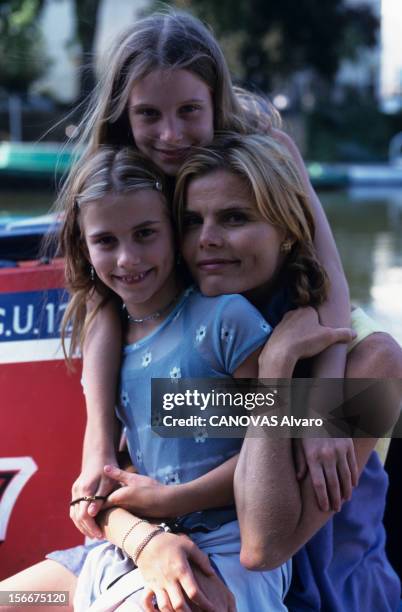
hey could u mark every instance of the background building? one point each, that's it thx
(61, 81)
(391, 64)
(364, 71)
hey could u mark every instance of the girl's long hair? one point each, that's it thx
(108, 171)
(169, 40)
(165, 40)
(276, 188)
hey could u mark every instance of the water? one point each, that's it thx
(24, 203)
(367, 224)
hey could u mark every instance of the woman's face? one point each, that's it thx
(227, 244)
(129, 239)
(170, 111)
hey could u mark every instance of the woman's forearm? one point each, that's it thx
(277, 513)
(268, 500)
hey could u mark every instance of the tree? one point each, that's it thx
(275, 38)
(86, 12)
(22, 58)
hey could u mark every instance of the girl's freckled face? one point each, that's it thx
(227, 244)
(129, 239)
(170, 111)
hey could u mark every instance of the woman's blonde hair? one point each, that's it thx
(275, 186)
(108, 171)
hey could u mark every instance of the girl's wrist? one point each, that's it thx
(170, 501)
(276, 363)
(95, 442)
(143, 549)
(186, 498)
(135, 534)
(98, 457)
(96, 427)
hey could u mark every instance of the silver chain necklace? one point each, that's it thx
(154, 315)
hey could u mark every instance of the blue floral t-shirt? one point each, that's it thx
(203, 337)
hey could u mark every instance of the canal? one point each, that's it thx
(367, 224)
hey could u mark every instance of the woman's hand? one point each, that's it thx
(139, 494)
(332, 466)
(165, 566)
(213, 587)
(92, 481)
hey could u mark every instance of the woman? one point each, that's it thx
(227, 199)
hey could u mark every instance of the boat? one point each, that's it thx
(24, 164)
(352, 175)
(343, 176)
(22, 239)
(43, 413)
(44, 164)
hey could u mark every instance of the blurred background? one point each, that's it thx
(333, 68)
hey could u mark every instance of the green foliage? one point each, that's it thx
(278, 37)
(22, 58)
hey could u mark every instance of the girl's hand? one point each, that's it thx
(139, 494)
(92, 481)
(300, 335)
(217, 592)
(332, 466)
(165, 566)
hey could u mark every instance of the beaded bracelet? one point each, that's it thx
(133, 526)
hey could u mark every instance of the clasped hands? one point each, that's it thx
(112, 486)
(139, 494)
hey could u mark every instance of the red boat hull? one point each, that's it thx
(42, 418)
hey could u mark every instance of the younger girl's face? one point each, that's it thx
(129, 240)
(227, 244)
(170, 111)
